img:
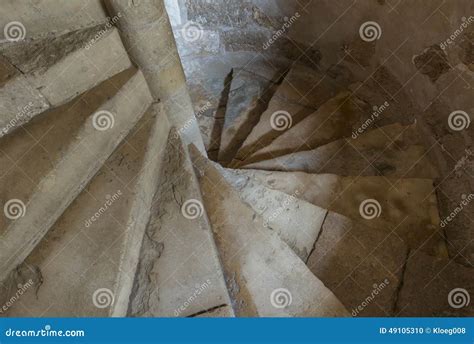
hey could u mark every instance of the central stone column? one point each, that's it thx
(147, 35)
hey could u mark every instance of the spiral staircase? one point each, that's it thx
(320, 202)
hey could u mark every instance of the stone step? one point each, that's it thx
(296, 221)
(83, 267)
(264, 276)
(302, 91)
(78, 153)
(179, 272)
(390, 151)
(348, 256)
(361, 265)
(46, 18)
(249, 95)
(330, 122)
(434, 287)
(407, 207)
(43, 74)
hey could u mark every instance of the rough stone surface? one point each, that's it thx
(179, 272)
(248, 96)
(256, 261)
(427, 285)
(408, 207)
(332, 121)
(388, 151)
(61, 185)
(297, 222)
(80, 255)
(362, 265)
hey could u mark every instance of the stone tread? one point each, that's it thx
(80, 255)
(179, 273)
(390, 151)
(408, 206)
(256, 261)
(75, 165)
(54, 70)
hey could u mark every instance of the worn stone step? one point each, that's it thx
(85, 265)
(297, 222)
(249, 95)
(45, 73)
(390, 151)
(46, 18)
(264, 276)
(179, 272)
(302, 91)
(64, 172)
(361, 265)
(330, 122)
(434, 287)
(408, 207)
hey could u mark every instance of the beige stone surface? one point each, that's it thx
(407, 207)
(81, 256)
(78, 163)
(179, 272)
(390, 151)
(261, 270)
(332, 121)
